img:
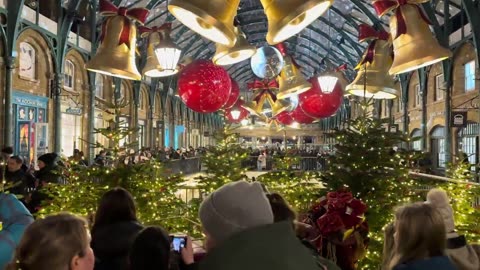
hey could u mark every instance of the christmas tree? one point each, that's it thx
(153, 190)
(366, 162)
(299, 188)
(223, 165)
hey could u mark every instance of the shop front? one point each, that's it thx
(31, 127)
(72, 137)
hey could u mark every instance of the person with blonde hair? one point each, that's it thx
(419, 239)
(462, 254)
(388, 245)
(58, 242)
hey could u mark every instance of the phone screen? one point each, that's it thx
(178, 243)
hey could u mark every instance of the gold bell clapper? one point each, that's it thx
(291, 81)
(116, 54)
(287, 18)
(414, 45)
(242, 50)
(373, 79)
(212, 19)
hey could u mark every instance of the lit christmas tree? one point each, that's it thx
(299, 188)
(366, 163)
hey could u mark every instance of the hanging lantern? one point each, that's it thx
(414, 45)
(152, 67)
(204, 87)
(234, 95)
(321, 104)
(291, 80)
(330, 79)
(287, 18)
(237, 113)
(211, 19)
(168, 53)
(242, 50)
(373, 80)
(285, 118)
(301, 117)
(116, 54)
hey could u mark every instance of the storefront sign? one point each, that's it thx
(74, 111)
(24, 99)
(459, 119)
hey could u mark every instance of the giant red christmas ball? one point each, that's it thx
(234, 95)
(204, 87)
(285, 118)
(321, 104)
(300, 117)
(243, 113)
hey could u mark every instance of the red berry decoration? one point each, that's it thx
(243, 112)
(300, 117)
(319, 104)
(285, 118)
(234, 95)
(204, 87)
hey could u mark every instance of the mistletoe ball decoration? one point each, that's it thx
(204, 87)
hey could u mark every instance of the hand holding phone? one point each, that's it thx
(178, 242)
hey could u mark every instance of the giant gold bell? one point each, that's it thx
(116, 59)
(212, 19)
(291, 81)
(242, 50)
(278, 106)
(287, 18)
(373, 80)
(152, 67)
(417, 47)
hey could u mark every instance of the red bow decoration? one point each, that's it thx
(265, 87)
(341, 68)
(365, 33)
(108, 9)
(343, 212)
(145, 31)
(384, 6)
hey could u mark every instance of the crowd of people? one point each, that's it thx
(245, 227)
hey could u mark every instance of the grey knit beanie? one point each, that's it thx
(438, 198)
(233, 208)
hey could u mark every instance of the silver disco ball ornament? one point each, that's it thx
(267, 62)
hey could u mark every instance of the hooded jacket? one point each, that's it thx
(15, 219)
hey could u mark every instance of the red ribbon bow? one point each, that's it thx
(382, 7)
(341, 68)
(365, 33)
(265, 87)
(282, 48)
(145, 31)
(108, 9)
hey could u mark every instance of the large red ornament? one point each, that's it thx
(285, 118)
(204, 87)
(319, 104)
(243, 112)
(300, 117)
(234, 95)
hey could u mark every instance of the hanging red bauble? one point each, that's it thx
(234, 95)
(320, 104)
(243, 113)
(301, 117)
(285, 118)
(204, 87)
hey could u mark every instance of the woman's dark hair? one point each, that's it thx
(280, 208)
(116, 205)
(150, 250)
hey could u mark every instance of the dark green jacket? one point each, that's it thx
(270, 247)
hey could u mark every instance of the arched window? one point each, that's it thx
(437, 140)
(141, 101)
(122, 94)
(416, 139)
(99, 85)
(27, 61)
(468, 141)
(69, 74)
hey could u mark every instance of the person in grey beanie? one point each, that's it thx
(241, 234)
